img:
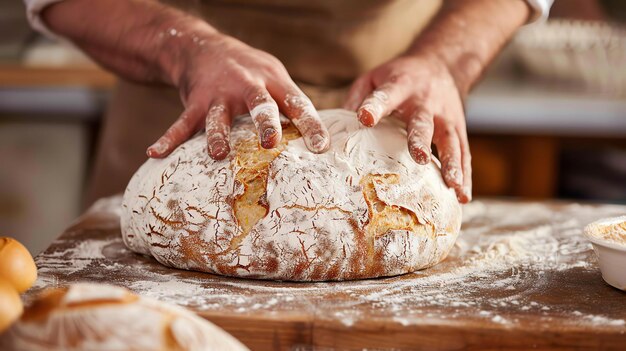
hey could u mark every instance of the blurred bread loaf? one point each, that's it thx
(103, 317)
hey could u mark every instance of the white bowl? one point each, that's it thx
(608, 237)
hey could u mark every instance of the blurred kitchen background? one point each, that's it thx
(548, 121)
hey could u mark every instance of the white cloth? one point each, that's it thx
(541, 9)
(33, 13)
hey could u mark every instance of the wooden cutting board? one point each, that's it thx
(521, 276)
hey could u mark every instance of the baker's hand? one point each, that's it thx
(420, 90)
(220, 77)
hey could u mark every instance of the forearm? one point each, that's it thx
(138, 39)
(467, 35)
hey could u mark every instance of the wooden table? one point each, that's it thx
(522, 276)
(18, 75)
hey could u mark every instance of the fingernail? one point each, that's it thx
(268, 139)
(157, 149)
(468, 193)
(461, 198)
(219, 150)
(365, 117)
(317, 143)
(420, 154)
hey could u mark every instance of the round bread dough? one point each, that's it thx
(104, 317)
(16, 264)
(363, 209)
(10, 304)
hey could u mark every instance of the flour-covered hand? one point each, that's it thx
(220, 77)
(420, 90)
(217, 76)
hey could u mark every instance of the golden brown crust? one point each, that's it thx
(253, 162)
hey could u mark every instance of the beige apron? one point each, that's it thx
(324, 44)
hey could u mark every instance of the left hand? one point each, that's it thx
(420, 90)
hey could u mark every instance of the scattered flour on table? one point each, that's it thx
(72, 260)
(604, 320)
(511, 251)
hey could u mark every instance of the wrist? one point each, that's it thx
(465, 66)
(467, 40)
(147, 42)
(178, 41)
(439, 67)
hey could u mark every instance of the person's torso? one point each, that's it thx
(322, 42)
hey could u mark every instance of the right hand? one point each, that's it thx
(419, 89)
(220, 77)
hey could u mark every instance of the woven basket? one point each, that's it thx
(592, 54)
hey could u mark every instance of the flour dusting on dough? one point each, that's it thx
(362, 209)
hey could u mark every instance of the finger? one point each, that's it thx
(420, 128)
(358, 92)
(381, 102)
(218, 131)
(466, 164)
(264, 112)
(179, 132)
(300, 110)
(449, 149)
